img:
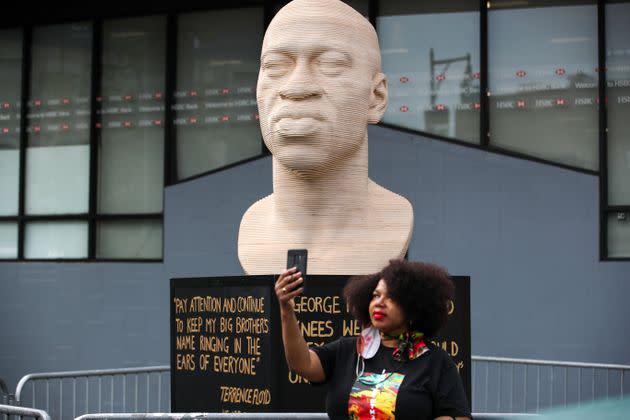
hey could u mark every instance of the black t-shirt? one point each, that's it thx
(424, 388)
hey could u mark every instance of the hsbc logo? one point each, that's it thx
(560, 71)
(404, 79)
(584, 101)
(440, 77)
(505, 104)
(521, 73)
(404, 108)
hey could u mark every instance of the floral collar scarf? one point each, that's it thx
(411, 344)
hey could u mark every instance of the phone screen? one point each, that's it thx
(297, 258)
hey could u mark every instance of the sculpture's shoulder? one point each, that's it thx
(257, 212)
(258, 251)
(385, 201)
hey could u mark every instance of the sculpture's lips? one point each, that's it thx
(296, 113)
(301, 126)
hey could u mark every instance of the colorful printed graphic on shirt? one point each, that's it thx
(373, 396)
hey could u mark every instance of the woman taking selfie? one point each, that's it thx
(391, 370)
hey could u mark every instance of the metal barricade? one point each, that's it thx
(6, 398)
(261, 416)
(66, 395)
(526, 386)
(205, 416)
(5, 395)
(499, 385)
(23, 412)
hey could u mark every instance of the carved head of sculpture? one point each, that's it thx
(319, 85)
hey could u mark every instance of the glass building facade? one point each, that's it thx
(99, 114)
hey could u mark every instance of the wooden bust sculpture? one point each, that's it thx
(319, 86)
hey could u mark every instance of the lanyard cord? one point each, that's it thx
(360, 362)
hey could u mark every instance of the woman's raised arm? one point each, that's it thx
(300, 359)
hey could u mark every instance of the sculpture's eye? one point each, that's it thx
(333, 63)
(276, 65)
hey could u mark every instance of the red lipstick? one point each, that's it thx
(377, 315)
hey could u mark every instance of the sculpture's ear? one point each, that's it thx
(378, 98)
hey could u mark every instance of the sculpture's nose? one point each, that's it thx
(301, 84)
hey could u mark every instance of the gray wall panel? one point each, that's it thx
(525, 232)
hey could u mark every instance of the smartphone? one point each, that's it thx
(297, 258)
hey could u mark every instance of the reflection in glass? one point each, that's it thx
(361, 6)
(132, 239)
(57, 156)
(618, 94)
(619, 235)
(216, 117)
(55, 240)
(8, 240)
(430, 55)
(10, 93)
(131, 134)
(543, 82)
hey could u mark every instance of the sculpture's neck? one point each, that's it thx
(338, 193)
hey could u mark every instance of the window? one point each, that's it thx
(619, 235)
(124, 239)
(618, 93)
(430, 54)
(58, 240)
(58, 147)
(8, 240)
(618, 135)
(82, 202)
(543, 100)
(216, 116)
(131, 138)
(10, 82)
